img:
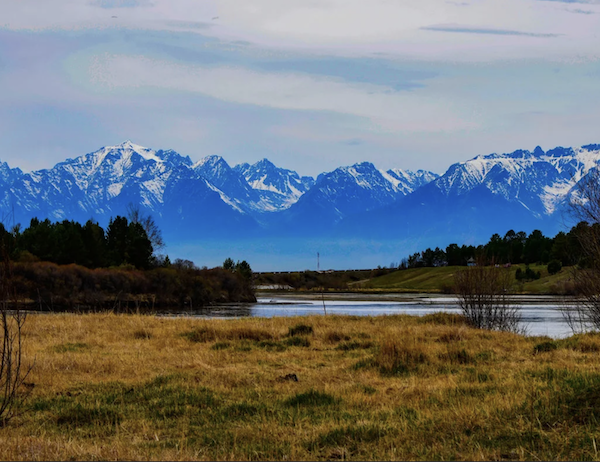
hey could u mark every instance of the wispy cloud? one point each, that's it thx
(380, 106)
(585, 2)
(188, 25)
(121, 3)
(480, 30)
(579, 11)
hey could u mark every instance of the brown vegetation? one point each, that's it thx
(48, 286)
(110, 386)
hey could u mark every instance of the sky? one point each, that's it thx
(309, 84)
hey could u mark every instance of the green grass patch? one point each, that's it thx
(200, 335)
(311, 398)
(70, 347)
(351, 437)
(221, 346)
(300, 329)
(297, 341)
(544, 347)
(441, 280)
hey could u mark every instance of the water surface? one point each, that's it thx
(541, 315)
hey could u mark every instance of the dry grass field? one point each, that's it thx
(110, 387)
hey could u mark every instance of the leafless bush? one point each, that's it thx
(13, 370)
(484, 298)
(584, 315)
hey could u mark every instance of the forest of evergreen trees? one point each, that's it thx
(513, 248)
(89, 245)
(69, 265)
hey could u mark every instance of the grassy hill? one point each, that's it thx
(442, 279)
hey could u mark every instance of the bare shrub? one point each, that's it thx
(13, 370)
(400, 356)
(584, 315)
(484, 298)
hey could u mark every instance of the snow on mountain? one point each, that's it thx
(103, 183)
(540, 181)
(406, 181)
(277, 187)
(351, 190)
(233, 187)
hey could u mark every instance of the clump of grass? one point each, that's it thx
(544, 347)
(367, 389)
(311, 398)
(351, 437)
(200, 335)
(297, 341)
(395, 357)
(142, 334)
(244, 345)
(407, 413)
(485, 356)
(271, 345)
(220, 346)
(349, 346)
(457, 356)
(478, 375)
(99, 415)
(452, 335)
(300, 329)
(70, 347)
(246, 333)
(242, 411)
(334, 336)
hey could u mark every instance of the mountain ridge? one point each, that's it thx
(208, 198)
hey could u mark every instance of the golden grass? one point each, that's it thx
(388, 388)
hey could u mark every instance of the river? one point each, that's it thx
(540, 315)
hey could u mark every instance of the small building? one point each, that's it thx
(471, 262)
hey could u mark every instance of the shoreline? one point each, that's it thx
(424, 298)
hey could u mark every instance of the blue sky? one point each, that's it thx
(309, 84)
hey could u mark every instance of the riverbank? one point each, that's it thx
(111, 386)
(413, 280)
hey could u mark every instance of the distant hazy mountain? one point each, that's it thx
(278, 188)
(190, 201)
(489, 194)
(349, 191)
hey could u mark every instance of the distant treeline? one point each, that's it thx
(69, 265)
(89, 245)
(513, 248)
(48, 286)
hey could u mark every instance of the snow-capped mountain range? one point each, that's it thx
(522, 190)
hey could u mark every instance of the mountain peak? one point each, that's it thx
(264, 162)
(128, 147)
(210, 161)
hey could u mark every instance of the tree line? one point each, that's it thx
(66, 264)
(89, 245)
(513, 247)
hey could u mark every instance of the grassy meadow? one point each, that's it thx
(441, 279)
(110, 387)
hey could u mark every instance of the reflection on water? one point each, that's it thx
(540, 315)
